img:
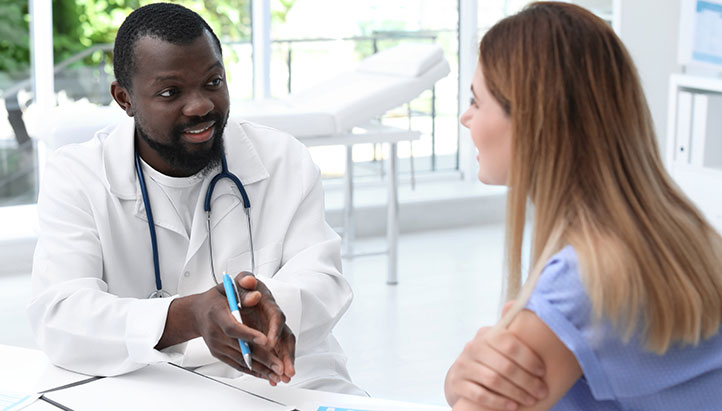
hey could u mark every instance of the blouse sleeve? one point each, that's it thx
(561, 302)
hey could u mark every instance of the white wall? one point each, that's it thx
(649, 29)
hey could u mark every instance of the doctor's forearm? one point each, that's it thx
(180, 323)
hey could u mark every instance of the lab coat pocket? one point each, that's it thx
(268, 260)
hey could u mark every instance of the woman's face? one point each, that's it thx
(491, 132)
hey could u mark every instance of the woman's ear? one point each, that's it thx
(122, 96)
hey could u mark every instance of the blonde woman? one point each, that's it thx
(623, 301)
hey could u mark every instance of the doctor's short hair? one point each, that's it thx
(165, 21)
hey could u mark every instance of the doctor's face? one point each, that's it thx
(490, 129)
(179, 99)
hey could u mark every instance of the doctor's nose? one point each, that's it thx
(198, 105)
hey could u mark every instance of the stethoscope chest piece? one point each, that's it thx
(159, 294)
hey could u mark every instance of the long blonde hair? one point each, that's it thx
(584, 153)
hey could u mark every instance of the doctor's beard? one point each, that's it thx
(182, 160)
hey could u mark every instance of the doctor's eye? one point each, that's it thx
(216, 82)
(168, 92)
(472, 102)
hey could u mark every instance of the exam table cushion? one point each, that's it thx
(381, 82)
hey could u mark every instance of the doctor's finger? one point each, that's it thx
(263, 362)
(258, 370)
(266, 363)
(234, 329)
(245, 281)
(287, 351)
(250, 298)
(276, 321)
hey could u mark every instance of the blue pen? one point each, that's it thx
(231, 295)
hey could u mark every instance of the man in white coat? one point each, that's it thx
(93, 269)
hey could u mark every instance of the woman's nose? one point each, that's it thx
(465, 117)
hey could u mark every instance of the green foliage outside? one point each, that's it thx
(369, 28)
(14, 38)
(80, 24)
(280, 9)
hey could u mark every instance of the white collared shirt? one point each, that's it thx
(181, 192)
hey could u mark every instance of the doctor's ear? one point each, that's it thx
(121, 96)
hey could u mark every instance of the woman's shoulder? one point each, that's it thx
(560, 281)
(564, 260)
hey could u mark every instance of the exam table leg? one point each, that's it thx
(349, 232)
(392, 220)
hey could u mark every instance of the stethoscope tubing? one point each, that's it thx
(159, 292)
(151, 223)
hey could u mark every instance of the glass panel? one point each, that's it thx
(18, 159)
(313, 40)
(85, 70)
(491, 11)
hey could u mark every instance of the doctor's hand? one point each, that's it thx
(264, 314)
(207, 315)
(496, 371)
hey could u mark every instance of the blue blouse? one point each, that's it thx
(619, 376)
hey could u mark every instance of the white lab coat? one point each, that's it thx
(93, 265)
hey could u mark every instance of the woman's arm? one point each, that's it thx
(496, 370)
(562, 368)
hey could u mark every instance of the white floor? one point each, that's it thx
(400, 339)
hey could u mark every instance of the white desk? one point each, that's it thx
(29, 371)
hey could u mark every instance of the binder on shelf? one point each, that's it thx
(699, 130)
(713, 131)
(684, 127)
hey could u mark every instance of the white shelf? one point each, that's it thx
(696, 83)
(694, 141)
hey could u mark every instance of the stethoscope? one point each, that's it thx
(159, 292)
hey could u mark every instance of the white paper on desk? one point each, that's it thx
(41, 405)
(160, 386)
(13, 402)
(20, 369)
(311, 400)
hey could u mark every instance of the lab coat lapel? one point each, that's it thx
(118, 161)
(243, 161)
(122, 180)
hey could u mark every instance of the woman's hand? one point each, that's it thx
(497, 371)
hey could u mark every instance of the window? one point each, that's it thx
(18, 154)
(311, 39)
(315, 39)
